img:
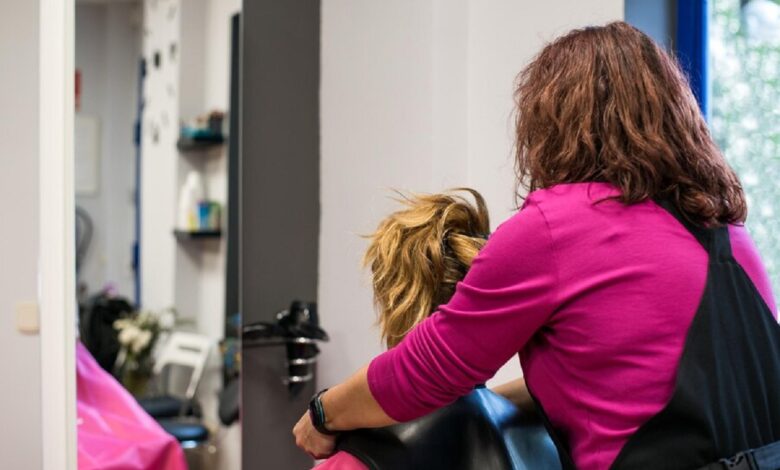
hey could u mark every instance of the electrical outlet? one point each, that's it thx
(27, 320)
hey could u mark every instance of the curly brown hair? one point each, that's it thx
(419, 253)
(608, 104)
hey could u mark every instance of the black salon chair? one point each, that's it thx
(177, 372)
(199, 445)
(191, 432)
(168, 406)
(481, 431)
(228, 402)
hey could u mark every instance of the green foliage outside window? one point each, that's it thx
(745, 120)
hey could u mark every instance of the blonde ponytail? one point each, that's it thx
(418, 254)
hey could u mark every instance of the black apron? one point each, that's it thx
(726, 399)
(481, 431)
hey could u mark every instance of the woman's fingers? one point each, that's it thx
(311, 441)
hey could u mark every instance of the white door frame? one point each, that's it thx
(56, 263)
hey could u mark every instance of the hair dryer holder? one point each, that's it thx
(298, 331)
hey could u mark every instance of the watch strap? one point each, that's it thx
(317, 413)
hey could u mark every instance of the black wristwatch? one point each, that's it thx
(317, 413)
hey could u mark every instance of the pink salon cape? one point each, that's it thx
(114, 432)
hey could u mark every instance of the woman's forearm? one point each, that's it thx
(517, 392)
(350, 405)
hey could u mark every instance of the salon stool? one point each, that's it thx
(189, 434)
(194, 440)
(167, 406)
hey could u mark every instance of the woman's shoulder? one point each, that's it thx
(567, 193)
(560, 204)
(543, 205)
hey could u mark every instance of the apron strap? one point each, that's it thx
(723, 400)
(567, 462)
(715, 240)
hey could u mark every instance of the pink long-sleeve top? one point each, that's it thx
(595, 297)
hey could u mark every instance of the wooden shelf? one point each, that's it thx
(182, 235)
(186, 144)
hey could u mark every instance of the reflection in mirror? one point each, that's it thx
(156, 365)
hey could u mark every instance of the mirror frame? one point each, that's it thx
(56, 265)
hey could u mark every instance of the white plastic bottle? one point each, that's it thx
(190, 194)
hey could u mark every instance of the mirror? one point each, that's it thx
(155, 140)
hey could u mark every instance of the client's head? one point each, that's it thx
(419, 253)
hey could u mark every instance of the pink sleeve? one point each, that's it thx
(746, 254)
(507, 295)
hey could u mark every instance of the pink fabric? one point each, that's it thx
(114, 432)
(341, 461)
(746, 254)
(596, 298)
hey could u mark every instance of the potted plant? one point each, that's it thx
(138, 335)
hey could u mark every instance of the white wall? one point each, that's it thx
(504, 35)
(194, 80)
(20, 406)
(211, 315)
(416, 95)
(108, 49)
(217, 52)
(377, 133)
(159, 157)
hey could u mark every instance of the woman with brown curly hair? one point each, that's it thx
(638, 305)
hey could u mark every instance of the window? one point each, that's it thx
(744, 41)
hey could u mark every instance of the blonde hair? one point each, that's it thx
(419, 253)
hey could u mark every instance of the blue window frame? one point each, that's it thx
(691, 44)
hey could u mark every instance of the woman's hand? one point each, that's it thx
(346, 406)
(311, 441)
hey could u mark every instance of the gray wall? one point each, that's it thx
(657, 18)
(280, 155)
(20, 366)
(279, 209)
